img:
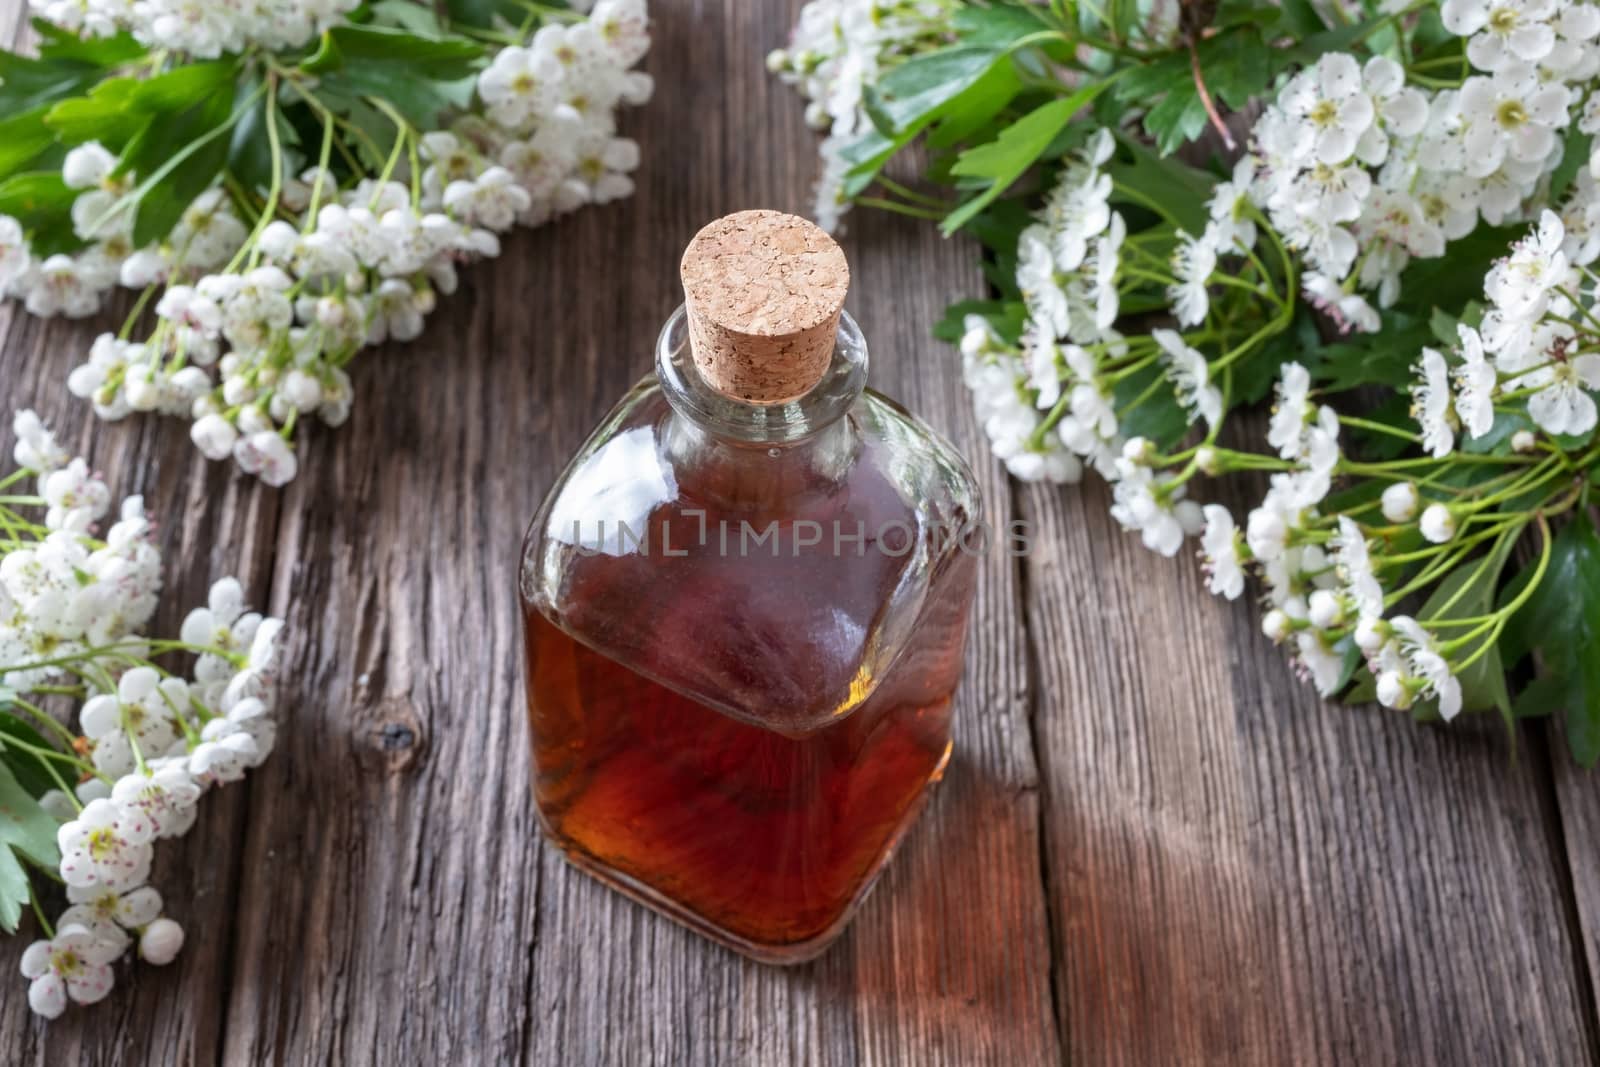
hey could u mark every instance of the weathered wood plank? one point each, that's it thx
(210, 524)
(1577, 800)
(412, 913)
(1244, 874)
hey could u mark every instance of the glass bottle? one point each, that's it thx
(745, 605)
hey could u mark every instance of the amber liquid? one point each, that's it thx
(762, 838)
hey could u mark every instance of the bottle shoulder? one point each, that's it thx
(777, 584)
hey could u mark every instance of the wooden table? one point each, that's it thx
(1155, 844)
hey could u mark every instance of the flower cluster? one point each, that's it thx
(199, 29)
(1149, 301)
(838, 49)
(1537, 344)
(1361, 172)
(149, 743)
(261, 311)
(1049, 402)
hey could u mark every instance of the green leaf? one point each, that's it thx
(42, 203)
(912, 94)
(1561, 619)
(1179, 189)
(1574, 154)
(29, 768)
(64, 67)
(408, 15)
(23, 139)
(178, 157)
(1004, 159)
(1467, 592)
(27, 830)
(964, 115)
(1453, 279)
(433, 58)
(1157, 414)
(484, 14)
(421, 77)
(1386, 358)
(1498, 440)
(1000, 24)
(117, 110)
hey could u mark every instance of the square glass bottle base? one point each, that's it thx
(785, 953)
(762, 841)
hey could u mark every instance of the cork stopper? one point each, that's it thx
(763, 292)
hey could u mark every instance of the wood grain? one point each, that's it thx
(1250, 875)
(1155, 845)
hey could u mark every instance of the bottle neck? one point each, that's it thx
(753, 456)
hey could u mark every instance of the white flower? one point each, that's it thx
(1475, 382)
(1329, 108)
(224, 753)
(1427, 664)
(1193, 260)
(1502, 31)
(493, 199)
(58, 287)
(75, 497)
(1430, 405)
(143, 709)
(1438, 523)
(1349, 311)
(1138, 506)
(520, 84)
(624, 27)
(1324, 665)
(103, 847)
(165, 796)
(1399, 502)
(1292, 410)
(72, 965)
(1219, 547)
(1354, 563)
(1190, 376)
(108, 914)
(1231, 228)
(1036, 278)
(1563, 405)
(268, 456)
(1513, 114)
(1519, 286)
(36, 448)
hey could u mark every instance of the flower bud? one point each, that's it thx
(777, 60)
(1208, 461)
(1275, 624)
(301, 390)
(1371, 634)
(1522, 441)
(1191, 516)
(160, 942)
(253, 420)
(1140, 450)
(1400, 502)
(142, 393)
(214, 436)
(1326, 610)
(1392, 691)
(1438, 524)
